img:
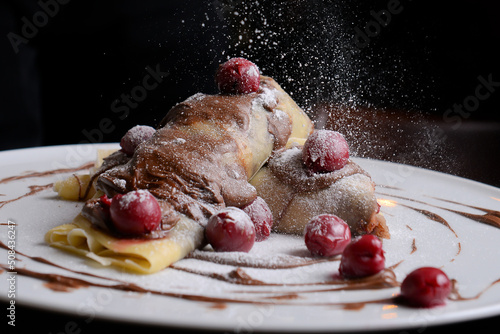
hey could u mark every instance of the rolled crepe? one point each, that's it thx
(295, 196)
(200, 160)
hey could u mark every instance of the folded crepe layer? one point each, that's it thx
(135, 255)
(200, 159)
(295, 196)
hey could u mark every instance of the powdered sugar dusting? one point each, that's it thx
(252, 71)
(266, 98)
(280, 114)
(120, 183)
(179, 141)
(196, 97)
(241, 219)
(139, 196)
(279, 251)
(324, 141)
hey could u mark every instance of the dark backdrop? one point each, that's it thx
(72, 70)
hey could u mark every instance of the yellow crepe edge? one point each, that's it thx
(136, 255)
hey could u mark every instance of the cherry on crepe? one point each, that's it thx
(325, 151)
(230, 230)
(136, 135)
(261, 216)
(426, 287)
(135, 213)
(362, 257)
(327, 235)
(237, 76)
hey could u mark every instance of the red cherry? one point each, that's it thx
(230, 230)
(135, 213)
(426, 287)
(325, 151)
(327, 235)
(105, 201)
(362, 257)
(134, 137)
(261, 216)
(237, 76)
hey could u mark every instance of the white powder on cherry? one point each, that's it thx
(139, 133)
(140, 196)
(241, 219)
(323, 141)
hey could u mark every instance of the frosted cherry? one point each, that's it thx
(237, 76)
(325, 151)
(134, 137)
(135, 213)
(230, 230)
(261, 216)
(327, 235)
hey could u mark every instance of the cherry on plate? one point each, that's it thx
(327, 235)
(135, 213)
(261, 216)
(426, 287)
(363, 257)
(325, 151)
(230, 230)
(237, 76)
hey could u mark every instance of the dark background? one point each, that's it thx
(416, 65)
(63, 81)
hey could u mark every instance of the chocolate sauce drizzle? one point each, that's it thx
(238, 276)
(491, 217)
(85, 166)
(34, 189)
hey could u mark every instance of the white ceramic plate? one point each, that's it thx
(466, 250)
